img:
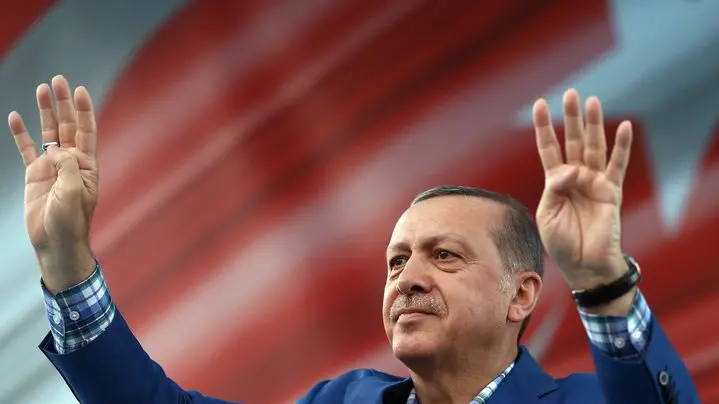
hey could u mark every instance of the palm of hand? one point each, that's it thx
(48, 199)
(579, 213)
(588, 212)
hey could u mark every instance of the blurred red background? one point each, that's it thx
(255, 156)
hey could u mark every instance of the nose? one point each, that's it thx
(415, 277)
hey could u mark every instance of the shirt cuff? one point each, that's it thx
(80, 314)
(621, 337)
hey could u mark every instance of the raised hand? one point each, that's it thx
(579, 212)
(61, 185)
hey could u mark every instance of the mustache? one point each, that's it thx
(421, 302)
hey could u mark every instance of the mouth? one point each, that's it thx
(411, 314)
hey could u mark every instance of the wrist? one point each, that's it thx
(613, 297)
(619, 307)
(63, 268)
(591, 278)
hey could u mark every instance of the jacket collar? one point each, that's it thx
(526, 383)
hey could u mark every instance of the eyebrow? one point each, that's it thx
(430, 242)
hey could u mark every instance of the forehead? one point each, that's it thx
(466, 217)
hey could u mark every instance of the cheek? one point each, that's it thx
(478, 300)
(390, 294)
(387, 301)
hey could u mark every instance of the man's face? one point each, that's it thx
(444, 277)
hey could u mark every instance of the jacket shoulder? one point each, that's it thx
(337, 389)
(584, 386)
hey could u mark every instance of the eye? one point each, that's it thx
(444, 255)
(397, 261)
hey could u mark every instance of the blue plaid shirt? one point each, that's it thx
(80, 314)
(483, 395)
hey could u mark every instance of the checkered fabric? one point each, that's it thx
(80, 314)
(480, 398)
(621, 337)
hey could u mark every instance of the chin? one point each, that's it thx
(413, 346)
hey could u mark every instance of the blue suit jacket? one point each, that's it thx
(115, 369)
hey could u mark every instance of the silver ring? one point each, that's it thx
(48, 144)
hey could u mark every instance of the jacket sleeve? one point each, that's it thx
(92, 347)
(114, 368)
(634, 360)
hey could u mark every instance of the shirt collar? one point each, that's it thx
(483, 395)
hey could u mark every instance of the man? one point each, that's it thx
(464, 272)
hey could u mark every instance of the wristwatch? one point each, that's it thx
(607, 293)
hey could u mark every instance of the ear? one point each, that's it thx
(527, 285)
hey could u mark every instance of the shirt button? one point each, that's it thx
(74, 315)
(619, 342)
(56, 319)
(637, 335)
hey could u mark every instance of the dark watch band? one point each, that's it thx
(607, 293)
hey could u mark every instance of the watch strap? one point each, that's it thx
(607, 293)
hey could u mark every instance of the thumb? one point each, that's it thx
(563, 180)
(557, 185)
(68, 170)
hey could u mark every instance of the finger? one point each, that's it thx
(619, 161)
(573, 128)
(86, 125)
(595, 146)
(547, 145)
(65, 111)
(68, 171)
(23, 140)
(48, 123)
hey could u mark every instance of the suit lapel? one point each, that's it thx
(526, 383)
(379, 391)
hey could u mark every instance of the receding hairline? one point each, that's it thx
(479, 194)
(504, 208)
(494, 223)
